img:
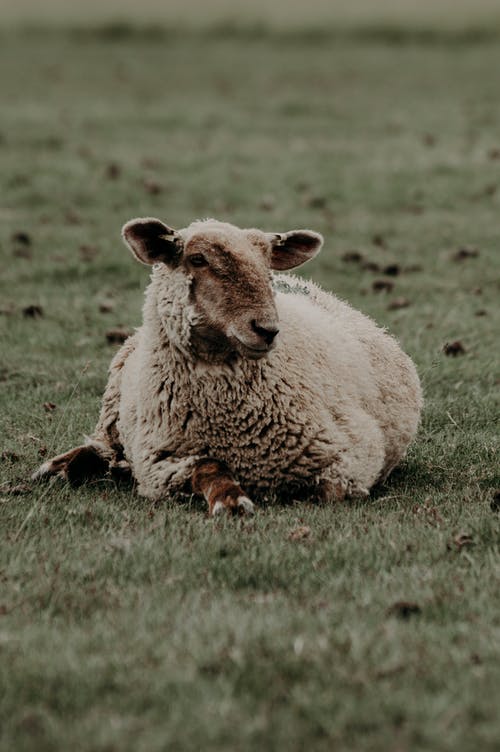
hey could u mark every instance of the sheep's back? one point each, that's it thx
(352, 361)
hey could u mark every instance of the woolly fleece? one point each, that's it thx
(332, 409)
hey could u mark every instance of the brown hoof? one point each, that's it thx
(240, 506)
(75, 466)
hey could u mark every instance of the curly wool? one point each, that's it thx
(333, 407)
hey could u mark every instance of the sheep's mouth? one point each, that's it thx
(253, 353)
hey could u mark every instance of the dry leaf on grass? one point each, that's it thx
(352, 257)
(106, 306)
(14, 488)
(9, 456)
(378, 240)
(370, 266)
(21, 238)
(301, 532)
(23, 252)
(317, 202)
(454, 348)
(465, 253)
(382, 285)
(404, 609)
(392, 270)
(152, 187)
(267, 203)
(460, 541)
(118, 335)
(33, 311)
(7, 310)
(429, 512)
(88, 252)
(73, 217)
(113, 171)
(398, 303)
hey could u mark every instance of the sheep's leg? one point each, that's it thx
(213, 480)
(77, 465)
(103, 451)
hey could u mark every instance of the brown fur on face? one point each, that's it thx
(230, 274)
(231, 293)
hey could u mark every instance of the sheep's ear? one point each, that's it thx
(291, 249)
(152, 242)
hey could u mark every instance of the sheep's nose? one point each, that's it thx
(267, 330)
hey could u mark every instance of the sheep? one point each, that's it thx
(244, 380)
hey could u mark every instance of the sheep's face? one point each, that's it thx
(230, 273)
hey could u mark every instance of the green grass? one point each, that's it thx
(130, 627)
(397, 15)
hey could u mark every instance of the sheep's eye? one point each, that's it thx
(198, 260)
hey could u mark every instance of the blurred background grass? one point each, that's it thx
(425, 15)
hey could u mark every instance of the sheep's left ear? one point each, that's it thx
(291, 249)
(153, 242)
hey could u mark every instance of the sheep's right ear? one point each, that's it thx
(152, 242)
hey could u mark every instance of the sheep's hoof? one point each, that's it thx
(75, 466)
(241, 506)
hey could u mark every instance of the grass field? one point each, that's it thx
(130, 627)
(285, 15)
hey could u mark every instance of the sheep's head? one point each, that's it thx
(229, 271)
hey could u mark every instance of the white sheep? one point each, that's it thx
(238, 375)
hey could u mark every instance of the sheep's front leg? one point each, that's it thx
(213, 480)
(78, 465)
